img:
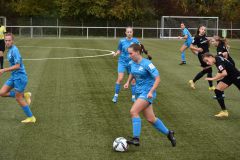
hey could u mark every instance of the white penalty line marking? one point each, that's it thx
(89, 49)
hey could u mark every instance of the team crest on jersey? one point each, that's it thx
(140, 68)
(220, 67)
(151, 66)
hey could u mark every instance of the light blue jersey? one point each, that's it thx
(144, 73)
(18, 79)
(123, 45)
(14, 58)
(189, 39)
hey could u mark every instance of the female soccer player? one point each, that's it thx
(188, 40)
(18, 80)
(227, 75)
(202, 43)
(2, 44)
(222, 50)
(123, 61)
(147, 79)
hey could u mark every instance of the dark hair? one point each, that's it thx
(143, 49)
(136, 47)
(201, 25)
(207, 54)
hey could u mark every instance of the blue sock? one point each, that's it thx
(136, 123)
(12, 94)
(27, 111)
(183, 56)
(161, 127)
(133, 89)
(117, 88)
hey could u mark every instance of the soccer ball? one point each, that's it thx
(120, 144)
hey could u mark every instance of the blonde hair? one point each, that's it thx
(9, 34)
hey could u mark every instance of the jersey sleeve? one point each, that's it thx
(16, 56)
(152, 70)
(120, 45)
(4, 29)
(220, 65)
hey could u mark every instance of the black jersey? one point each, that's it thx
(201, 42)
(221, 48)
(224, 64)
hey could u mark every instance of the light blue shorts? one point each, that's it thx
(123, 66)
(144, 96)
(18, 84)
(188, 43)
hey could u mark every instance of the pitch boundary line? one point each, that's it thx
(63, 58)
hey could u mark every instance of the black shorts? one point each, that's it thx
(2, 45)
(230, 81)
(200, 58)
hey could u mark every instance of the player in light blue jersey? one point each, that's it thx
(123, 61)
(188, 41)
(147, 80)
(16, 84)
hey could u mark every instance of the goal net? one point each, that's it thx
(170, 25)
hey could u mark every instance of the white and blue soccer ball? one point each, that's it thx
(120, 144)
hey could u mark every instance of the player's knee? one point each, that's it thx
(218, 94)
(19, 98)
(151, 119)
(133, 113)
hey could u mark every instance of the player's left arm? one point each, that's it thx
(154, 73)
(218, 76)
(154, 87)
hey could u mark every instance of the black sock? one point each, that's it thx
(220, 99)
(1, 62)
(198, 76)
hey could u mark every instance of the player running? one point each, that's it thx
(147, 80)
(2, 44)
(227, 75)
(123, 61)
(202, 43)
(188, 40)
(18, 80)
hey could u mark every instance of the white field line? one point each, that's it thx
(89, 49)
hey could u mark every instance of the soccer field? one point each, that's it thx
(76, 118)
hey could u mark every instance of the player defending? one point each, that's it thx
(147, 80)
(2, 44)
(18, 80)
(123, 61)
(188, 41)
(227, 75)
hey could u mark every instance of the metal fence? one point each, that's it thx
(76, 28)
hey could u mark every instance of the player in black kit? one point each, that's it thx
(227, 75)
(202, 43)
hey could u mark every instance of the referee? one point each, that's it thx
(2, 44)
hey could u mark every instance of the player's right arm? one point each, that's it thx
(119, 49)
(130, 78)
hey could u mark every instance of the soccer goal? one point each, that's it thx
(170, 25)
(3, 21)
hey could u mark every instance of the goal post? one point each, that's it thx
(3, 21)
(170, 25)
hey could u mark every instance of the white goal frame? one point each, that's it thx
(169, 29)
